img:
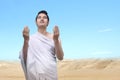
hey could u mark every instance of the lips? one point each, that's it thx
(42, 22)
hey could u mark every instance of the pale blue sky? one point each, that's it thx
(89, 28)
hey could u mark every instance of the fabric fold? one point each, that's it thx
(41, 60)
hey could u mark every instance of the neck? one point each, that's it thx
(42, 31)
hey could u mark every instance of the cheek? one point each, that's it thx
(46, 20)
(37, 22)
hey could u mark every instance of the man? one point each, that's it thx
(38, 56)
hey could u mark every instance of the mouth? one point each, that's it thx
(41, 21)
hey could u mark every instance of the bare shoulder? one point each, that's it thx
(50, 35)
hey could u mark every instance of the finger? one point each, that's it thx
(56, 29)
(26, 29)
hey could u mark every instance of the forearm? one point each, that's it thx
(58, 50)
(25, 50)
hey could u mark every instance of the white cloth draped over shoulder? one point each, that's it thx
(41, 60)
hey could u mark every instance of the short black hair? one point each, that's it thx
(44, 12)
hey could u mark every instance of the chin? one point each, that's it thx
(41, 26)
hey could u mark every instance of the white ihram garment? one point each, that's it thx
(41, 59)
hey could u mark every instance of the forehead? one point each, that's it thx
(42, 14)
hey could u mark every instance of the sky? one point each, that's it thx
(88, 28)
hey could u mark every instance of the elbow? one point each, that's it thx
(60, 58)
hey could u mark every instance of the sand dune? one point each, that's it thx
(82, 69)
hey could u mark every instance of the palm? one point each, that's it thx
(56, 33)
(26, 33)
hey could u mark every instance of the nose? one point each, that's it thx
(42, 19)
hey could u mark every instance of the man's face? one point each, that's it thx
(42, 20)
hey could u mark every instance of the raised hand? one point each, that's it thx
(26, 33)
(55, 33)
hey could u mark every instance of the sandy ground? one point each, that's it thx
(83, 69)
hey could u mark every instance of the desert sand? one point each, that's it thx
(80, 69)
